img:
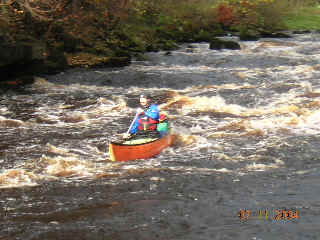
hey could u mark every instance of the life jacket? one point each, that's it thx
(163, 125)
(163, 117)
(147, 123)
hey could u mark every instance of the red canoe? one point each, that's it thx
(132, 150)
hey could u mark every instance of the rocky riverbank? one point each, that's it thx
(88, 34)
(21, 61)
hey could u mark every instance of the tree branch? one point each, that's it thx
(42, 14)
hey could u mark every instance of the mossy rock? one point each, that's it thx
(274, 35)
(15, 54)
(249, 36)
(218, 44)
(39, 51)
(70, 43)
(22, 59)
(87, 60)
(204, 36)
(302, 31)
(140, 57)
(168, 45)
(121, 53)
(152, 48)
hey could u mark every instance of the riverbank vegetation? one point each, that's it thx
(64, 33)
(304, 18)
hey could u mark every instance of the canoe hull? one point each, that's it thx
(126, 152)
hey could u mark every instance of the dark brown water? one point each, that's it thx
(245, 165)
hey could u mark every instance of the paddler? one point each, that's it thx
(147, 117)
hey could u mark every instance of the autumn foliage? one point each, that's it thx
(225, 14)
(258, 15)
(123, 27)
(74, 25)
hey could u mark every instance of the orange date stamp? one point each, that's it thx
(277, 214)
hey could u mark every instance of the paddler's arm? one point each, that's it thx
(133, 130)
(135, 126)
(153, 112)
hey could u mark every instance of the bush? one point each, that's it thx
(256, 15)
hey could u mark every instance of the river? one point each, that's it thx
(244, 166)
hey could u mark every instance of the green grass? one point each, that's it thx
(304, 19)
